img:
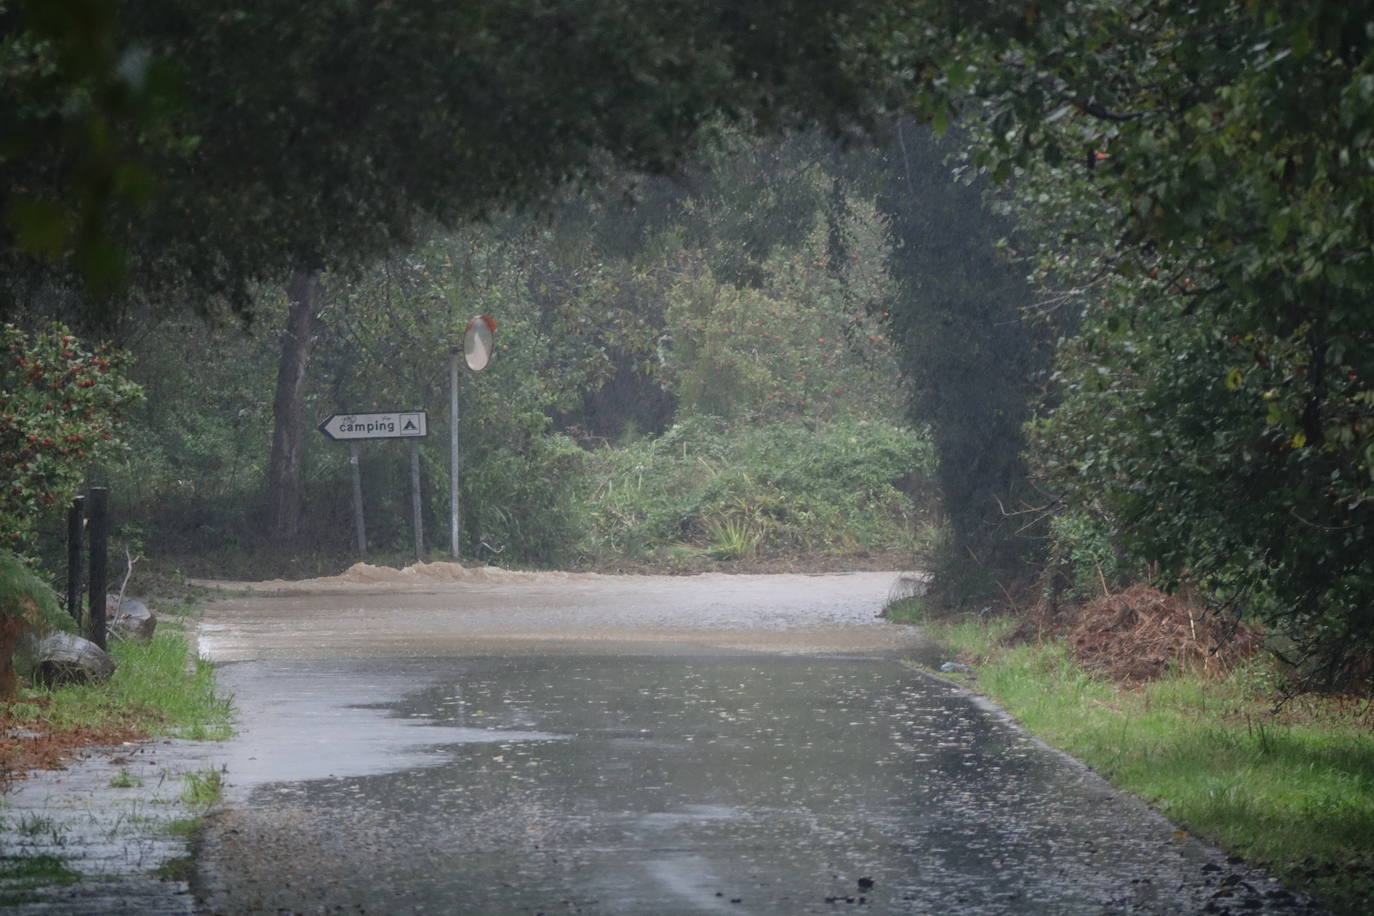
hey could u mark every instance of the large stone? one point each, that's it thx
(130, 620)
(62, 658)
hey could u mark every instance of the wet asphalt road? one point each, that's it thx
(658, 746)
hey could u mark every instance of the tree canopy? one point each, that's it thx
(1198, 178)
(1193, 179)
(194, 148)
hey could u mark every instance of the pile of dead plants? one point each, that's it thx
(1139, 633)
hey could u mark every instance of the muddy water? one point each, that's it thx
(373, 611)
(651, 746)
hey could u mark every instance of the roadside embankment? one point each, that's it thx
(1288, 785)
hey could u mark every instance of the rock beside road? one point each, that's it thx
(130, 619)
(63, 658)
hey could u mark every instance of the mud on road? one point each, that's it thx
(444, 608)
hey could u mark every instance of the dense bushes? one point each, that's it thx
(736, 492)
(60, 404)
(27, 605)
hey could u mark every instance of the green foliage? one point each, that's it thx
(805, 344)
(192, 476)
(1192, 176)
(732, 538)
(1087, 549)
(60, 406)
(390, 346)
(522, 503)
(768, 489)
(123, 779)
(25, 596)
(158, 688)
(613, 315)
(303, 138)
(75, 100)
(28, 607)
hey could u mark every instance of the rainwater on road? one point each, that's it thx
(443, 741)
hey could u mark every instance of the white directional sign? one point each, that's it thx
(411, 425)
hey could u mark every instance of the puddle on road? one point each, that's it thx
(337, 724)
(673, 784)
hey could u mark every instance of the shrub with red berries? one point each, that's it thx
(60, 406)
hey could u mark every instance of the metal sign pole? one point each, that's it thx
(350, 427)
(454, 529)
(359, 525)
(415, 501)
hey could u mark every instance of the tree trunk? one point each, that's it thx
(284, 499)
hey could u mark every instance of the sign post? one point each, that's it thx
(454, 534)
(415, 501)
(476, 352)
(359, 525)
(342, 427)
(353, 427)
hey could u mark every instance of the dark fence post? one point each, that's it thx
(76, 516)
(98, 513)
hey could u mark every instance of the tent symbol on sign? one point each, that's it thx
(410, 426)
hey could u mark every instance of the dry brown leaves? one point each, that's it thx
(28, 743)
(1139, 633)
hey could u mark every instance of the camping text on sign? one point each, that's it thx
(412, 425)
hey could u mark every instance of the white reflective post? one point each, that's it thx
(454, 531)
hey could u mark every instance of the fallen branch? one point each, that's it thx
(129, 561)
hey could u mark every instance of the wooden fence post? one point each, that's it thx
(76, 518)
(98, 513)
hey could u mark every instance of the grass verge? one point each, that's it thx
(1290, 789)
(159, 689)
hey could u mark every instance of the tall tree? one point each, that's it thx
(973, 354)
(1200, 176)
(305, 295)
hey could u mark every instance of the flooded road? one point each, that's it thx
(545, 744)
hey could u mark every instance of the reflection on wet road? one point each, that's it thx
(664, 777)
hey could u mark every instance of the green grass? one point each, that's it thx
(158, 688)
(184, 827)
(732, 539)
(125, 780)
(180, 869)
(203, 789)
(36, 825)
(21, 875)
(1291, 790)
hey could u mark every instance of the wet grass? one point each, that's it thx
(184, 827)
(203, 789)
(124, 780)
(1291, 789)
(180, 869)
(20, 876)
(158, 689)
